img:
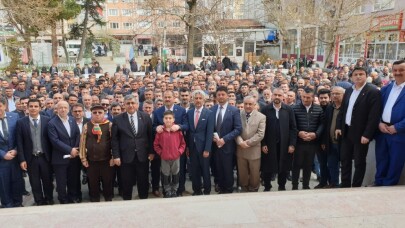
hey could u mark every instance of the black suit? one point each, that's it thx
(364, 122)
(133, 150)
(67, 171)
(39, 166)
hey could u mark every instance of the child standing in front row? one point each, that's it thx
(169, 145)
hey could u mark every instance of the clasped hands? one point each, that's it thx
(307, 136)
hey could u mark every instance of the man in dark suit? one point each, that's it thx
(132, 147)
(64, 135)
(356, 124)
(278, 144)
(33, 149)
(390, 142)
(180, 124)
(11, 185)
(228, 126)
(199, 141)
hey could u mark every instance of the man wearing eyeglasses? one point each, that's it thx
(95, 154)
(132, 147)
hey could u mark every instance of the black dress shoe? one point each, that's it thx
(319, 186)
(281, 188)
(217, 188)
(295, 187)
(197, 193)
(51, 202)
(267, 190)
(26, 193)
(306, 187)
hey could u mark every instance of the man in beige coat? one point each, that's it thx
(248, 152)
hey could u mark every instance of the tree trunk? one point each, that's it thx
(191, 29)
(84, 35)
(54, 44)
(64, 43)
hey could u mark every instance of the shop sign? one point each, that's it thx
(387, 22)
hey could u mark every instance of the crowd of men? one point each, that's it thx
(121, 130)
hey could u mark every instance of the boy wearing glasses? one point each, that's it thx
(95, 154)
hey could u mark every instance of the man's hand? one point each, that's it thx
(206, 154)
(175, 127)
(85, 164)
(338, 133)
(383, 128)
(159, 129)
(13, 152)
(117, 161)
(220, 143)
(244, 145)
(291, 149)
(111, 162)
(391, 130)
(151, 157)
(23, 165)
(74, 152)
(311, 136)
(302, 134)
(265, 149)
(9, 156)
(364, 140)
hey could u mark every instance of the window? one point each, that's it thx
(161, 24)
(126, 12)
(359, 9)
(383, 4)
(144, 24)
(127, 25)
(113, 12)
(143, 12)
(176, 24)
(114, 25)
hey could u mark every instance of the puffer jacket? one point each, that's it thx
(312, 121)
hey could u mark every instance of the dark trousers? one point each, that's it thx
(40, 175)
(182, 174)
(333, 163)
(353, 150)
(96, 172)
(139, 170)
(68, 181)
(10, 184)
(390, 159)
(213, 166)
(303, 159)
(281, 174)
(155, 172)
(200, 167)
(323, 165)
(224, 165)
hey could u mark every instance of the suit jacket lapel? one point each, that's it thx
(400, 95)
(361, 95)
(387, 93)
(140, 122)
(128, 123)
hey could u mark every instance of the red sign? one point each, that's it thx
(387, 22)
(402, 36)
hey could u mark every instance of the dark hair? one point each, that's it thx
(399, 62)
(243, 84)
(222, 88)
(115, 104)
(148, 102)
(3, 100)
(183, 90)
(73, 95)
(78, 105)
(168, 112)
(324, 91)
(359, 69)
(33, 101)
(308, 90)
(24, 98)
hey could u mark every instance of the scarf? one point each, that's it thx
(97, 129)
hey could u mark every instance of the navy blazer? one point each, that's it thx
(62, 144)
(5, 146)
(202, 134)
(24, 139)
(180, 117)
(231, 127)
(397, 113)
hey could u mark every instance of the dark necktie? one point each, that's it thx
(219, 118)
(35, 123)
(133, 124)
(247, 117)
(5, 130)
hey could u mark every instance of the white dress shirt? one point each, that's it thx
(32, 120)
(353, 97)
(1, 124)
(135, 119)
(223, 111)
(11, 104)
(80, 125)
(66, 124)
(277, 111)
(392, 98)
